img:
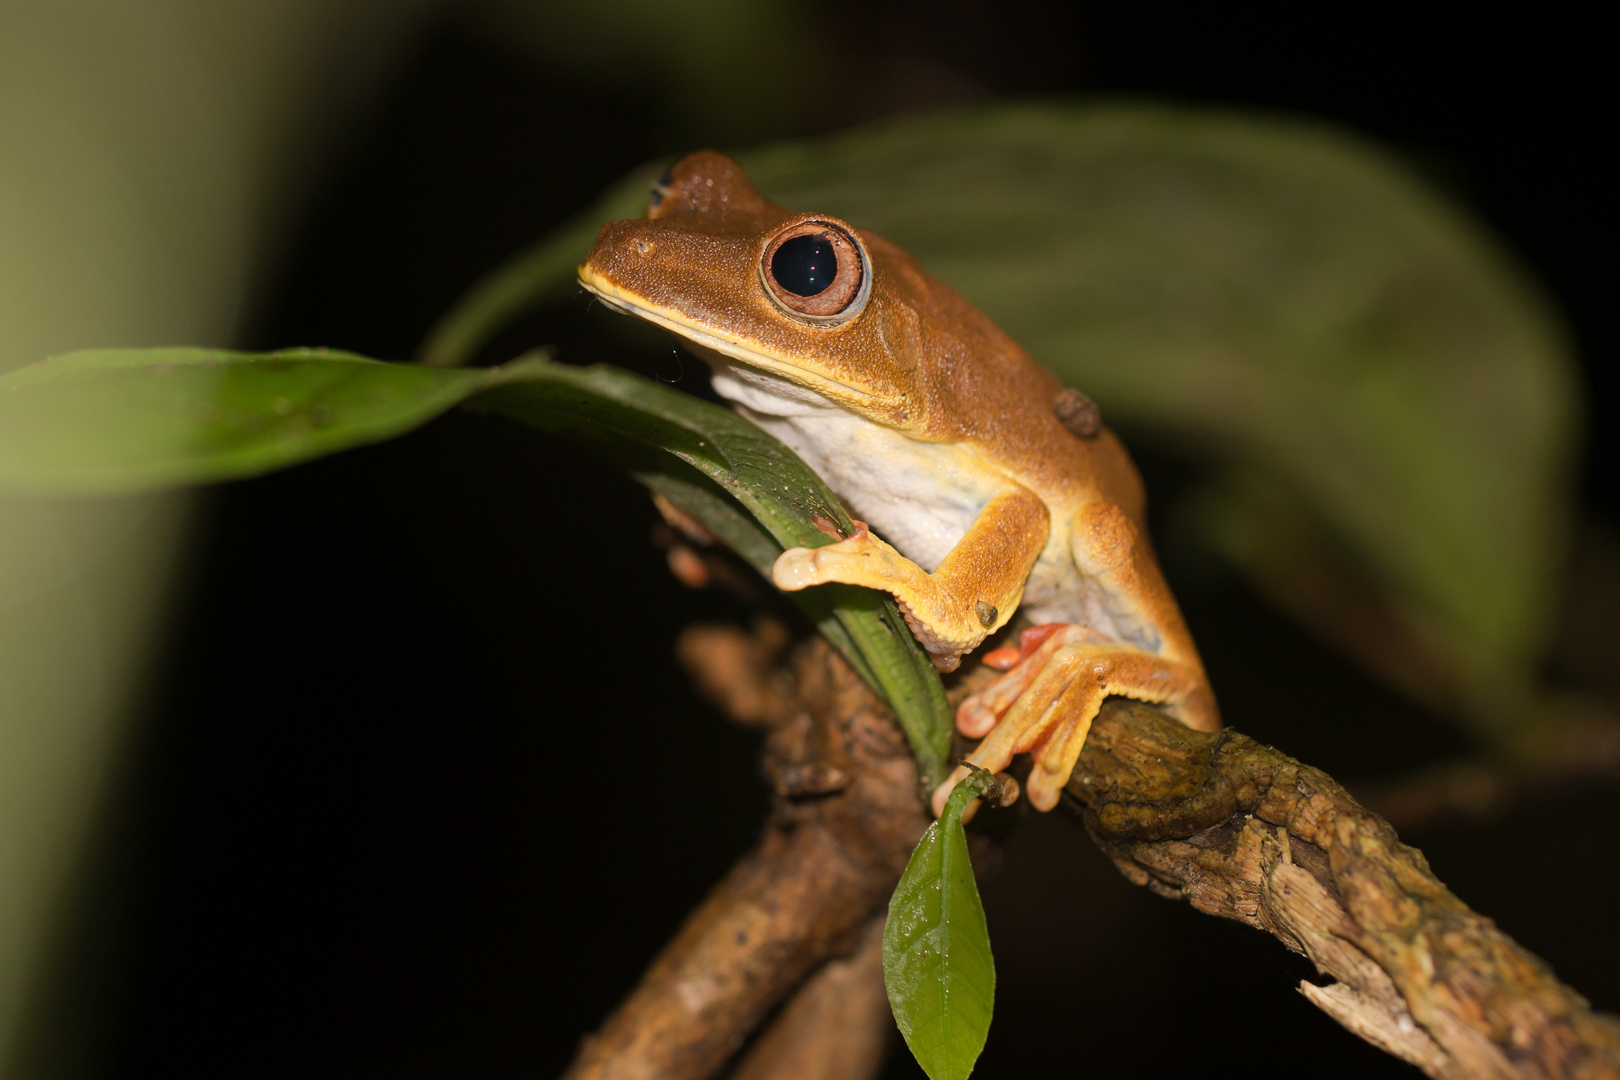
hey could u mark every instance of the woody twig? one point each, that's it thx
(845, 818)
(1234, 828)
(1242, 831)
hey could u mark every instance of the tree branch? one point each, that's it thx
(1242, 831)
(845, 818)
(1234, 828)
(835, 1027)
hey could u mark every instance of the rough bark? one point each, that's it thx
(846, 816)
(1242, 831)
(1232, 827)
(835, 1027)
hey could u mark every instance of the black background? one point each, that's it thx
(422, 789)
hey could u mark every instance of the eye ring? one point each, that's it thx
(801, 253)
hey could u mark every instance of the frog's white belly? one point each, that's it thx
(921, 497)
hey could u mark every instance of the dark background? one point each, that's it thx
(422, 788)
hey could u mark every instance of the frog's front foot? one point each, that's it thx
(801, 567)
(1045, 704)
(945, 625)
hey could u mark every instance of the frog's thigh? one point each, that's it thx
(1053, 716)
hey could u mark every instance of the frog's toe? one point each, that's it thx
(1007, 797)
(979, 713)
(1053, 714)
(1046, 705)
(1057, 755)
(859, 559)
(974, 719)
(1050, 715)
(795, 569)
(1051, 720)
(1044, 789)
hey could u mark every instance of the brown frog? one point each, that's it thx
(985, 484)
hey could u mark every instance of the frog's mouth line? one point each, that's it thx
(676, 323)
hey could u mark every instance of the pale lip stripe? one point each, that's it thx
(674, 322)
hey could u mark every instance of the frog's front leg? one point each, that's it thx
(973, 592)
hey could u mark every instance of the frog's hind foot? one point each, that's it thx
(978, 714)
(1045, 705)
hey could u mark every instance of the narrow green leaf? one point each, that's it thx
(775, 487)
(706, 501)
(937, 967)
(124, 420)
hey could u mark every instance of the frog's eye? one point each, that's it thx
(817, 271)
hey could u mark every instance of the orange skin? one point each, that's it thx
(950, 417)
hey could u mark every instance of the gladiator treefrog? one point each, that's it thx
(983, 485)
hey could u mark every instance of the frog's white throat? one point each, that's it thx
(762, 392)
(915, 494)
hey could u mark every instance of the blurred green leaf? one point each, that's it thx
(143, 419)
(1274, 294)
(937, 966)
(124, 420)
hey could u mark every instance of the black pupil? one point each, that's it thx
(805, 265)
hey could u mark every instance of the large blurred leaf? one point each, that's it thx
(1280, 291)
(145, 419)
(1277, 293)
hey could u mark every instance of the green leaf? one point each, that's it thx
(616, 410)
(124, 420)
(693, 491)
(937, 967)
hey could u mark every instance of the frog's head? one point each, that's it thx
(785, 297)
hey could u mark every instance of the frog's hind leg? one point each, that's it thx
(1057, 694)
(978, 714)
